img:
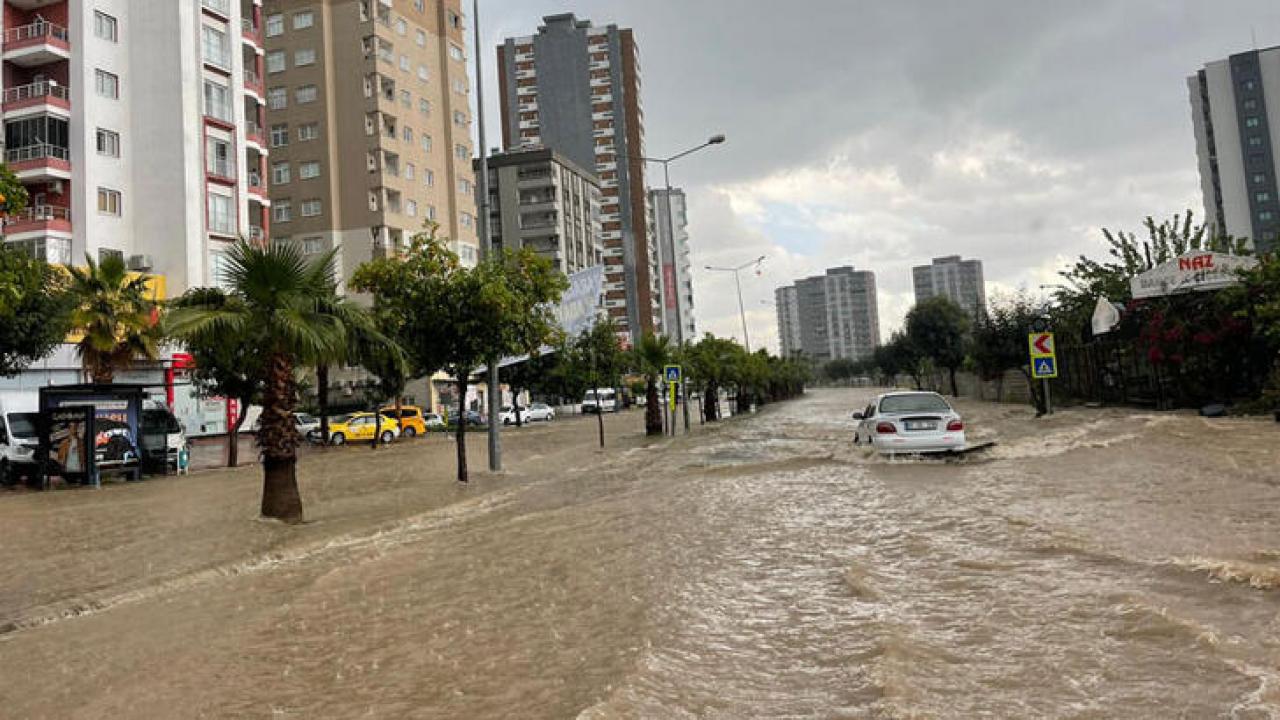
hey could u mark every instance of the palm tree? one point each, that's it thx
(114, 315)
(649, 357)
(288, 304)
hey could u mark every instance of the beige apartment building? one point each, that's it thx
(369, 125)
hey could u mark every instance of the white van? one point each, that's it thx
(18, 436)
(157, 415)
(600, 400)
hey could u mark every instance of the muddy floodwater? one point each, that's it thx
(1096, 564)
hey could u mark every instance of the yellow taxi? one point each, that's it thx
(412, 420)
(360, 426)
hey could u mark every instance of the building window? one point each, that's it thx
(312, 245)
(105, 26)
(309, 170)
(410, 171)
(406, 99)
(404, 63)
(402, 27)
(411, 208)
(460, 86)
(304, 57)
(217, 101)
(406, 134)
(422, 39)
(106, 84)
(1255, 141)
(310, 208)
(1265, 215)
(280, 135)
(1252, 122)
(461, 152)
(423, 74)
(431, 212)
(456, 53)
(1262, 197)
(1249, 85)
(105, 254)
(419, 5)
(108, 143)
(459, 117)
(217, 50)
(426, 142)
(218, 269)
(464, 186)
(282, 210)
(303, 20)
(429, 177)
(1251, 104)
(275, 61)
(308, 131)
(109, 202)
(280, 173)
(221, 216)
(467, 220)
(424, 106)
(217, 158)
(277, 98)
(1259, 178)
(305, 94)
(275, 25)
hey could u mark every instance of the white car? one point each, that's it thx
(535, 412)
(910, 422)
(305, 424)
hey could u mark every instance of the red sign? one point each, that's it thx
(1197, 262)
(1044, 344)
(669, 288)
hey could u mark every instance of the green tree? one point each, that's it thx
(285, 304)
(839, 369)
(456, 318)
(999, 340)
(114, 314)
(648, 358)
(938, 329)
(34, 309)
(712, 362)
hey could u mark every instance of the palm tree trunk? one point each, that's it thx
(461, 430)
(280, 498)
(652, 411)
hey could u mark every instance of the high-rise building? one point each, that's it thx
(787, 303)
(576, 88)
(671, 222)
(541, 200)
(136, 127)
(830, 316)
(1236, 144)
(369, 122)
(951, 277)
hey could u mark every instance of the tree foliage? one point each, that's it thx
(34, 308)
(115, 316)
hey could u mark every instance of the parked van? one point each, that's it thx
(600, 400)
(18, 436)
(156, 416)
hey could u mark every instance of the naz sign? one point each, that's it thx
(1044, 358)
(1190, 272)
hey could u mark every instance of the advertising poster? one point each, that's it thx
(117, 412)
(71, 437)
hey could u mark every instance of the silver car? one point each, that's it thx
(910, 422)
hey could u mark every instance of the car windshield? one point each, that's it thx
(23, 425)
(923, 402)
(304, 418)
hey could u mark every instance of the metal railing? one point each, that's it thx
(38, 29)
(251, 77)
(252, 128)
(43, 88)
(222, 168)
(256, 233)
(246, 24)
(222, 7)
(36, 152)
(41, 213)
(255, 180)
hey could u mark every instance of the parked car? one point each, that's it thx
(156, 414)
(411, 419)
(360, 426)
(18, 439)
(534, 413)
(305, 424)
(474, 419)
(600, 400)
(432, 420)
(910, 422)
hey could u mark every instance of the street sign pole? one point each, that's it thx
(1044, 362)
(1048, 404)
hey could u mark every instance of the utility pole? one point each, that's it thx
(482, 184)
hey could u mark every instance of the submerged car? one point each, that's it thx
(910, 422)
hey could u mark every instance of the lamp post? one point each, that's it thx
(716, 139)
(746, 339)
(482, 185)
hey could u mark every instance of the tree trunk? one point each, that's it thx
(233, 449)
(954, 391)
(652, 411)
(711, 401)
(461, 429)
(600, 424)
(322, 400)
(515, 403)
(279, 441)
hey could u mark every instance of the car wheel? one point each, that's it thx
(337, 438)
(410, 432)
(387, 437)
(4, 472)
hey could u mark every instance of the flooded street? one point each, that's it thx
(1098, 563)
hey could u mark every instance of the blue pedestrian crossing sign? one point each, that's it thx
(1044, 367)
(672, 373)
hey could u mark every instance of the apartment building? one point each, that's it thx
(369, 125)
(541, 200)
(787, 304)
(829, 316)
(670, 223)
(1231, 107)
(576, 88)
(135, 126)
(951, 277)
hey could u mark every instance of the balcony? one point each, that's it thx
(38, 43)
(39, 162)
(253, 134)
(45, 96)
(253, 83)
(251, 33)
(257, 234)
(38, 220)
(257, 187)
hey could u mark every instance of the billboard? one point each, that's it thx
(1193, 271)
(117, 411)
(68, 453)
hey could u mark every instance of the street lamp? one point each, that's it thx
(716, 139)
(746, 340)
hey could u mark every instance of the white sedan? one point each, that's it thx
(535, 412)
(910, 422)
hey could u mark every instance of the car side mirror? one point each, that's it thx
(857, 416)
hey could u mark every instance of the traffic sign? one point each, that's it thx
(1044, 368)
(672, 373)
(1041, 344)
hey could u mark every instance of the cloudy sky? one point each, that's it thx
(882, 134)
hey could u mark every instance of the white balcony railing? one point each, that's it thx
(41, 213)
(38, 29)
(36, 152)
(36, 90)
(251, 78)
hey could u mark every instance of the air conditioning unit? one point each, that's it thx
(56, 187)
(140, 263)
